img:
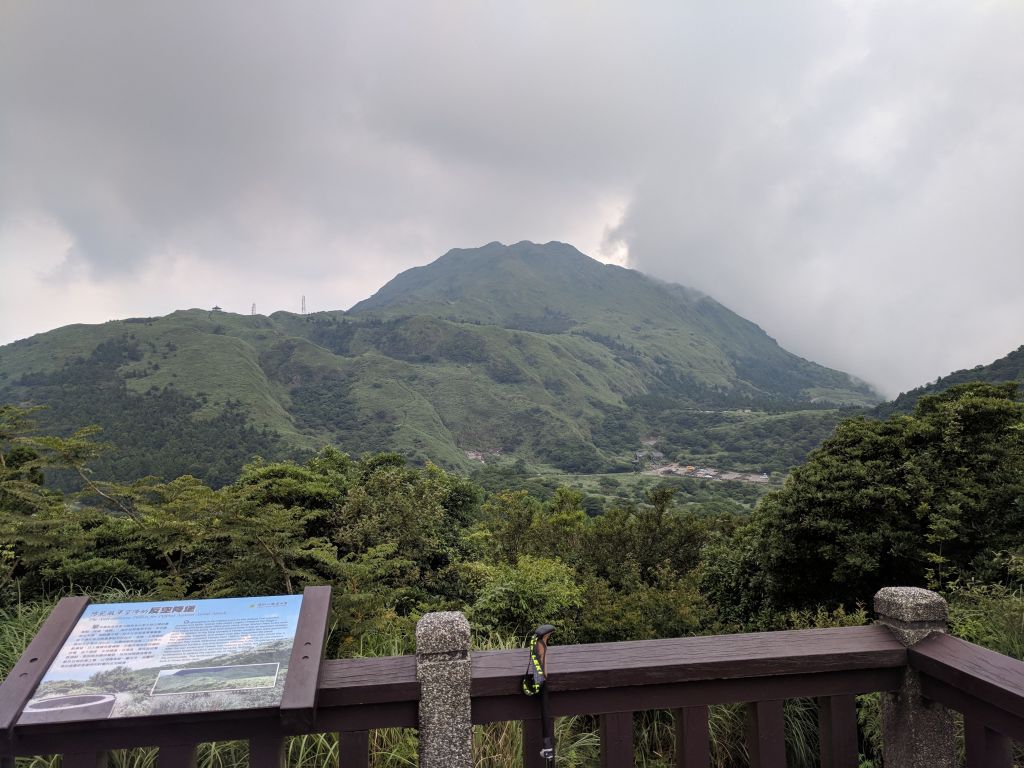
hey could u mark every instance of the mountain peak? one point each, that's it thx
(512, 278)
(554, 250)
(553, 288)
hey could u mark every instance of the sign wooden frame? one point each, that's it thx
(296, 711)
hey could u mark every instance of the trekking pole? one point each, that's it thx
(535, 682)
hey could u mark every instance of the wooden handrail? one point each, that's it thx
(612, 680)
(689, 659)
(985, 686)
(376, 680)
(978, 672)
(356, 695)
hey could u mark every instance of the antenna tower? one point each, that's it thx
(303, 305)
(253, 312)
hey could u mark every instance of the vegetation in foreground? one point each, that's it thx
(932, 499)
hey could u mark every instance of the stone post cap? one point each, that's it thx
(442, 632)
(911, 605)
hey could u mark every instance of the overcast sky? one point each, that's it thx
(849, 175)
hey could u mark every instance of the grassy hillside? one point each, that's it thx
(666, 331)
(1008, 368)
(528, 351)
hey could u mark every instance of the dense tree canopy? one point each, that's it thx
(935, 498)
(923, 499)
(915, 500)
(395, 540)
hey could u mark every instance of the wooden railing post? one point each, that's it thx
(837, 729)
(693, 742)
(916, 732)
(617, 740)
(354, 749)
(533, 743)
(177, 756)
(266, 752)
(444, 670)
(766, 734)
(985, 748)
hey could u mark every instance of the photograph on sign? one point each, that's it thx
(236, 677)
(133, 659)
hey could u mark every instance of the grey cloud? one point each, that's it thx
(864, 217)
(842, 173)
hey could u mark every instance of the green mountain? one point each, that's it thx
(1008, 368)
(667, 332)
(525, 351)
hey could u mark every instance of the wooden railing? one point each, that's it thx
(986, 687)
(355, 696)
(687, 675)
(611, 681)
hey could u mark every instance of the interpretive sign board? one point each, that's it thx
(139, 659)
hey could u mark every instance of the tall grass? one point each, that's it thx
(990, 615)
(20, 621)
(18, 625)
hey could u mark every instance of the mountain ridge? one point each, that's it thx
(529, 351)
(1009, 367)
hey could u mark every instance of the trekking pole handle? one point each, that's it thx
(542, 633)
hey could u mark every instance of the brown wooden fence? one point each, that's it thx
(609, 680)
(987, 687)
